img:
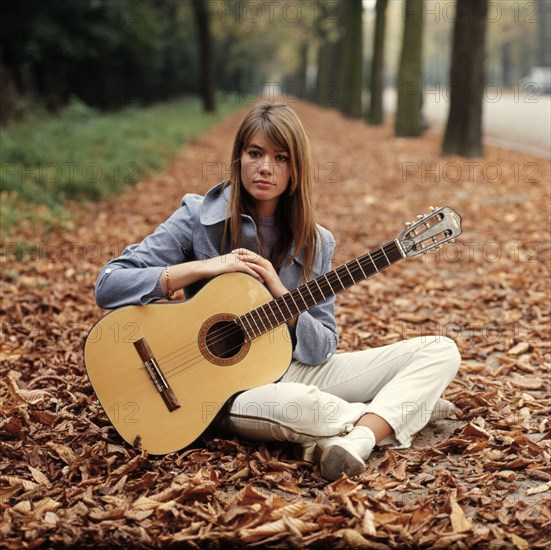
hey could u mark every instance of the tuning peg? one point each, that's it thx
(421, 216)
(452, 241)
(408, 224)
(432, 208)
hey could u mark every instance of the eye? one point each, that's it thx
(282, 158)
(253, 153)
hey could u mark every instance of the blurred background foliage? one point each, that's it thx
(82, 80)
(110, 53)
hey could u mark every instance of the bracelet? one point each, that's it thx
(169, 291)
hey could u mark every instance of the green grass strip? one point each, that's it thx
(86, 155)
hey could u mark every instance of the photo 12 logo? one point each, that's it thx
(71, 172)
(468, 171)
(445, 11)
(272, 12)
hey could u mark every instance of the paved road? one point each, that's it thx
(518, 120)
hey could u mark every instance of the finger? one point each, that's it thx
(245, 254)
(249, 270)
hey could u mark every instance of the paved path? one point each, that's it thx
(517, 120)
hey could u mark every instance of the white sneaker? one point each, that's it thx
(346, 454)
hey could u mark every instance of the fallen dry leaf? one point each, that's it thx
(480, 480)
(460, 522)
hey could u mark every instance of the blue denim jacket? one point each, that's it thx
(194, 232)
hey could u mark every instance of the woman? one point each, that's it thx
(261, 222)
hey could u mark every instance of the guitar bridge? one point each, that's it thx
(156, 374)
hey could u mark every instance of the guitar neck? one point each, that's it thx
(282, 309)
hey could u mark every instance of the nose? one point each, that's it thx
(266, 165)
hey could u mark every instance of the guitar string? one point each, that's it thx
(235, 329)
(221, 334)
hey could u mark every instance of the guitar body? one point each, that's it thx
(201, 376)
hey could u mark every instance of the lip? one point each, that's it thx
(263, 182)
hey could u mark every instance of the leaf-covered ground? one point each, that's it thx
(480, 480)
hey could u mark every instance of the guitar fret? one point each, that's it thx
(313, 297)
(339, 279)
(299, 293)
(252, 317)
(383, 251)
(382, 263)
(350, 273)
(321, 291)
(374, 265)
(239, 320)
(361, 268)
(304, 296)
(291, 311)
(356, 272)
(394, 252)
(251, 327)
(333, 291)
(274, 321)
(262, 317)
(315, 291)
(282, 299)
(280, 310)
(345, 277)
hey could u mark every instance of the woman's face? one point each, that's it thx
(265, 173)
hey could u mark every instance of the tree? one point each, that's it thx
(464, 128)
(376, 113)
(352, 60)
(105, 53)
(330, 32)
(544, 31)
(408, 113)
(206, 62)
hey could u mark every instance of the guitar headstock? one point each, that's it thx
(430, 231)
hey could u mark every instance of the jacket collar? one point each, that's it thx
(215, 205)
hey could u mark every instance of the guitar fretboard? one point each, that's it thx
(282, 309)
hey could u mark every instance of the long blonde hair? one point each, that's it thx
(295, 215)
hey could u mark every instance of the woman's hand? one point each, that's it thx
(187, 273)
(241, 259)
(262, 269)
(228, 263)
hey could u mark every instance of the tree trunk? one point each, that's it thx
(330, 32)
(544, 25)
(506, 64)
(327, 82)
(10, 95)
(206, 61)
(301, 81)
(408, 112)
(352, 60)
(376, 113)
(464, 128)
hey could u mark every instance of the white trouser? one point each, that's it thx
(400, 382)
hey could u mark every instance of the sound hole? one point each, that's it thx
(225, 339)
(222, 340)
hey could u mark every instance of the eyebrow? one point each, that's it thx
(255, 146)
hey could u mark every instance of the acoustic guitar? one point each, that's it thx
(163, 371)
